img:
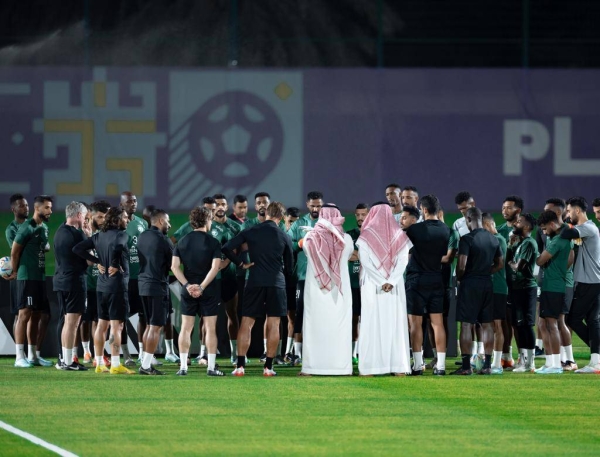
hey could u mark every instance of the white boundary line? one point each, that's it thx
(36, 440)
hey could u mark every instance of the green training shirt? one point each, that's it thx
(296, 233)
(499, 278)
(354, 267)
(556, 271)
(528, 251)
(136, 226)
(34, 239)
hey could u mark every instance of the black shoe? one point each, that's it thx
(462, 372)
(485, 371)
(182, 373)
(458, 363)
(81, 367)
(414, 372)
(150, 371)
(215, 372)
(437, 372)
(263, 358)
(539, 352)
(74, 367)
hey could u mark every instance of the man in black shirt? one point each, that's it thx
(113, 264)
(155, 253)
(272, 261)
(424, 284)
(69, 280)
(200, 255)
(479, 256)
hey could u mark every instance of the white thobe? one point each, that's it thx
(384, 344)
(327, 327)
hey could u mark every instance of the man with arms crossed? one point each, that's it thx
(272, 262)
(110, 245)
(479, 257)
(28, 261)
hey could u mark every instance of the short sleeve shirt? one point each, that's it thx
(481, 248)
(197, 250)
(556, 271)
(526, 250)
(136, 226)
(499, 278)
(11, 232)
(33, 238)
(183, 231)
(587, 265)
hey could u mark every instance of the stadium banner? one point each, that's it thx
(175, 135)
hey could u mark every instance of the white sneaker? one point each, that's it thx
(521, 366)
(172, 357)
(155, 362)
(589, 369)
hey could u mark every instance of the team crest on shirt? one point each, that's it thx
(140, 229)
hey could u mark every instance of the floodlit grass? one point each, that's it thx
(99, 414)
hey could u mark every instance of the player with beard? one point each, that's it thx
(69, 280)
(239, 210)
(224, 229)
(392, 194)
(110, 245)
(555, 259)
(523, 252)
(292, 214)
(314, 203)
(155, 251)
(135, 227)
(586, 301)
(28, 261)
(512, 207)
(20, 209)
(89, 318)
(410, 197)
(409, 216)
(360, 213)
(463, 201)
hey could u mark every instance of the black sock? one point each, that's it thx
(241, 363)
(269, 363)
(466, 361)
(488, 361)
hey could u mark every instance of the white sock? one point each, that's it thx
(435, 353)
(289, 345)
(115, 361)
(203, 350)
(441, 361)
(556, 361)
(563, 354)
(354, 349)
(147, 360)
(68, 356)
(497, 358)
(86, 347)
(233, 346)
(480, 349)
(99, 360)
(141, 353)
(474, 347)
(183, 356)
(20, 351)
(125, 349)
(569, 353)
(594, 359)
(212, 358)
(278, 349)
(549, 360)
(31, 352)
(418, 356)
(298, 349)
(37, 354)
(539, 344)
(265, 344)
(530, 354)
(169, 347)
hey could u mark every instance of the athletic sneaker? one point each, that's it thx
(279, 360)
(102, 369)
(23, 363)
(75, 367)
(268, 372)
(150, 371)
(263, 358)
(462, 372)
(172, 357)
(474, 361)
(479, 361)
(508, 364)
(497, 370)
(87, 358)
(525, 368)
(203, 360)
(541, 369)
(569, 366)
(539, 352)
(121, 369)
(354, 360)
(296, 361)
(414, 372)
(550, 370)
(214, 372)
(289, 357)
(181, 373)
(485, 371)
(431, 365)
(129, 362)
(40, 362)
(437, 372)
(238, 372)
(589, 369)
(155, 362)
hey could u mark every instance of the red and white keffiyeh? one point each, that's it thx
(385, 238)
(325, 244)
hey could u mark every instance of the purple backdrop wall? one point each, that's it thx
(175, 135)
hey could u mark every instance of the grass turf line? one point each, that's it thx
(292, 415)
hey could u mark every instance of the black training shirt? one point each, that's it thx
(481, 248)
(271, 251)
(71, 270)
(197, 250)
(155, 252)
(111, 248)
(430, 244)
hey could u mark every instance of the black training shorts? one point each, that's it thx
(201, 306)
(299, 321)
(499, 311)
(32, 294)
(569, 292)
(356, 301)
(475, 301)
(551, 304)
(91, 308)
(424, 296)
(264, 301)
(71, 302)
(112, 306)
(134, 301)
(155, 309)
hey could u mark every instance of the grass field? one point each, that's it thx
(99, 414)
